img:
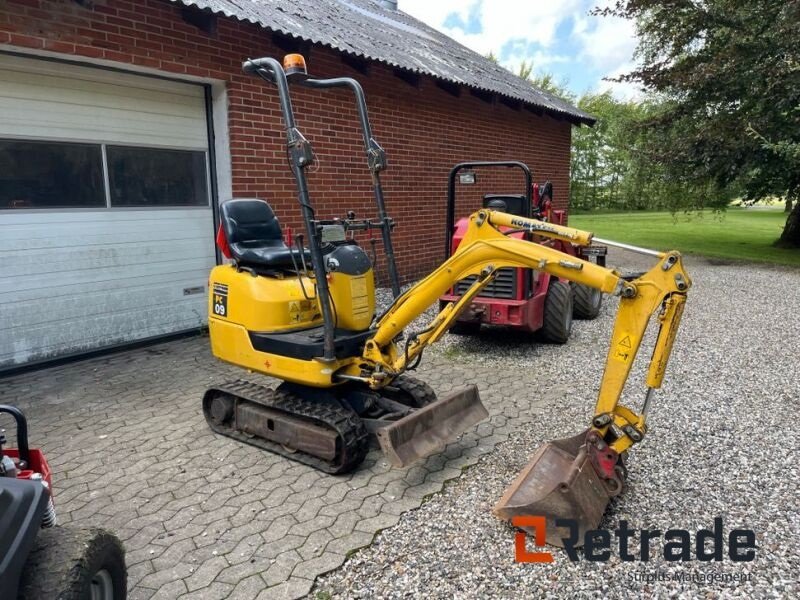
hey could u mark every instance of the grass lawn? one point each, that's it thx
(738, 234)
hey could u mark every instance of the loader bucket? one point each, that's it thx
(558, 483)
(427, 430)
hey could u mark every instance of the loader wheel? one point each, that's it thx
(75, 564)
(410, 391)
(586, 301)
(557, 322)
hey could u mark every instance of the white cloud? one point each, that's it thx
(598, 44)
(604, 41)
(622, 90)
(502, 20)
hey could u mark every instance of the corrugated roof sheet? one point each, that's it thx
(365, 29)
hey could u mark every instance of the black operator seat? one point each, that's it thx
(254, 236)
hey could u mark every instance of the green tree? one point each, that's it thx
(611, 168)
(729, 75)
(525, 69)
(548, 83)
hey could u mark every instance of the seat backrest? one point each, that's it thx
(514, 204)
(249, 221)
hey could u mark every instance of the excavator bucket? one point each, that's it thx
(558, 483)
(427, 430)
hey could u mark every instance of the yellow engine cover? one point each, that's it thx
(263, 304)
(353, 299)
(240, 304)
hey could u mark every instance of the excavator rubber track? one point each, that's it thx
(243, 405)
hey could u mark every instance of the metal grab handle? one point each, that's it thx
(376, 160)
(22, 431)
(251, 65)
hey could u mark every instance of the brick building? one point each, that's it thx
(123, 123)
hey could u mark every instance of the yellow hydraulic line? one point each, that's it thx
(670, 319)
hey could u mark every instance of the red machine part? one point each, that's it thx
(38, 464)
(521, 312)
(222, 242)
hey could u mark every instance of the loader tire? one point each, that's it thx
(75, 564)
(586, 301)
(557, 321)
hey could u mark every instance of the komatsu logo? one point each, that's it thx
(532, 226)
(523, 224)
(596, 545)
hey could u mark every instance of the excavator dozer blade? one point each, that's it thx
(429, 429)
(558, 483)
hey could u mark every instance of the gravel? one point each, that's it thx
(721, 444)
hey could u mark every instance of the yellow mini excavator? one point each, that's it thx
(305, 314)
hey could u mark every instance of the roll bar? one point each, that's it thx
(302, 156)
(451, 192)
(376, 159)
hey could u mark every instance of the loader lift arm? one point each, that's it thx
(485, 249)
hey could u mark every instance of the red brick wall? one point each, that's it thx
(424, 130)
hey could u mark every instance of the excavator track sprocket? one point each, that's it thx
(322, 435)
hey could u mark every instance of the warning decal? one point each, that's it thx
(623, 350)
(301, 310)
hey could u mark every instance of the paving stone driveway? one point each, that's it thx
(203, 516)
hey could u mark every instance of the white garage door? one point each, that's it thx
(106, 227)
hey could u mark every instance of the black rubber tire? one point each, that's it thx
(65, 560)
(587, 301)
(411, 391)
(466, 328)
(557, 322)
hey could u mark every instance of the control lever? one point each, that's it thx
(298, 242)
(373, 242)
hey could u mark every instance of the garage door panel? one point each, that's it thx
(21, 86)
(100, 125)
(90, 277)
(48, 342)
(132, 258)
(178, 276)
(83, 304)
(100, 239)
(19, 222)
(47, 69)
(97, 110)
(144, 242)
(77, 279)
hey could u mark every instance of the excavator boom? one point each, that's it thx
(572, 478)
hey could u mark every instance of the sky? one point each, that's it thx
(558, 36)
